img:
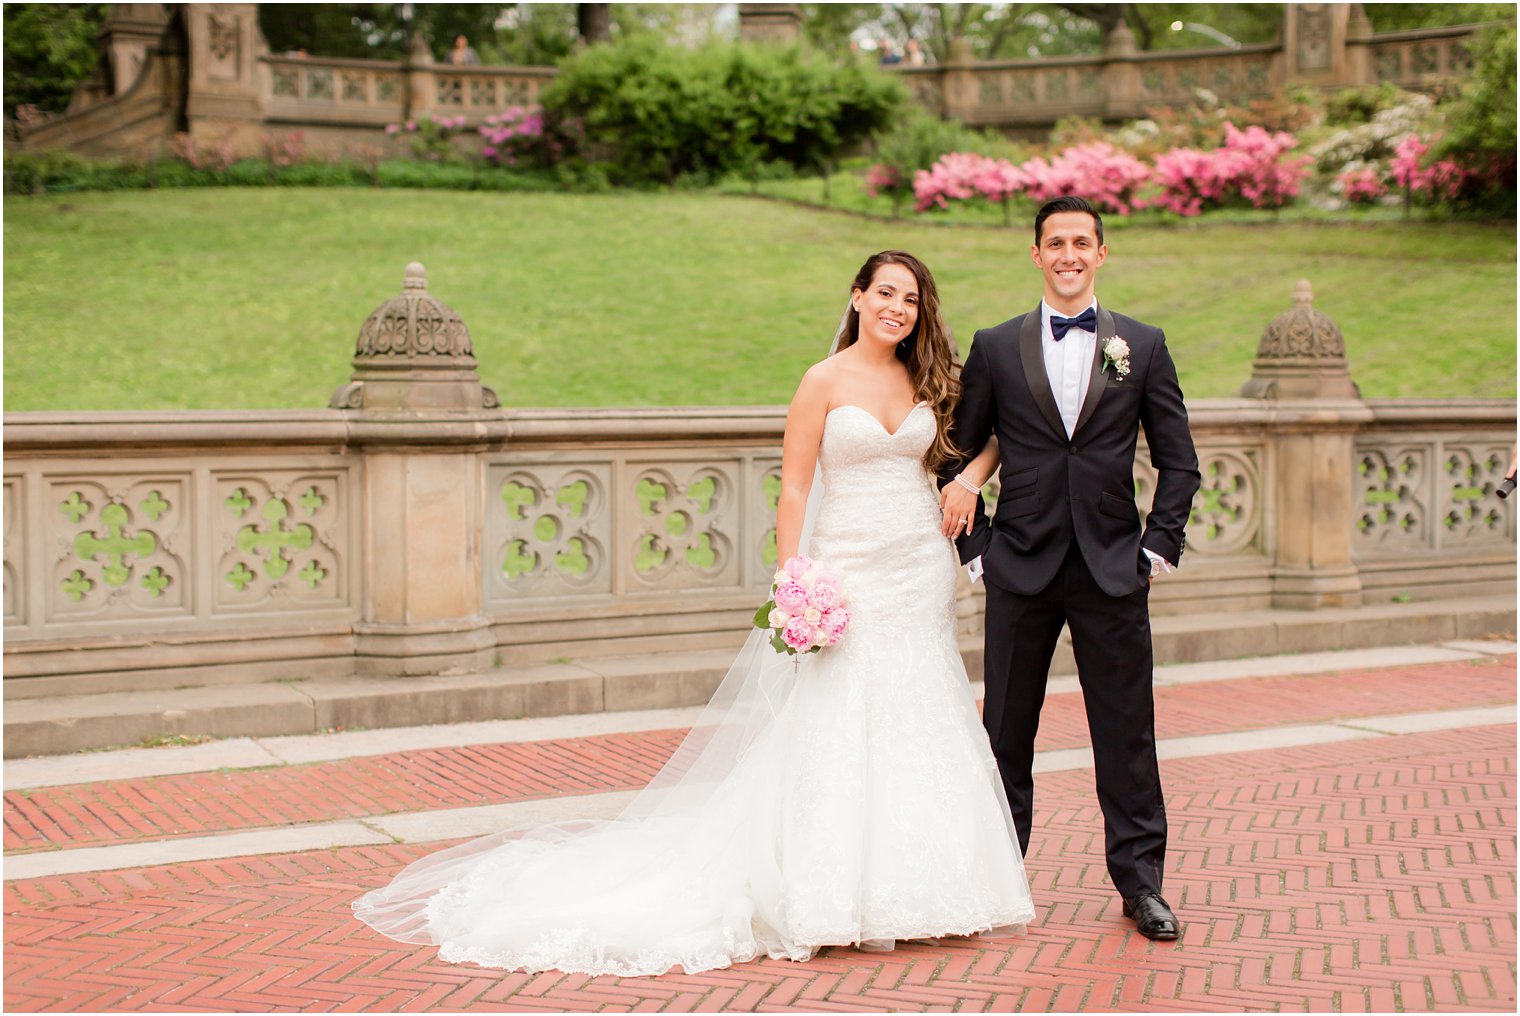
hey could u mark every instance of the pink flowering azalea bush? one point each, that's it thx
(806, 611)
(513, 135)
(965, 176)
(1362, 186)
(1253, 166)
(430, 139)
(1441, 180)
(215, 156)
(882, 179)
(1109, 177)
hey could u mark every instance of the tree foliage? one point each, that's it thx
(49, 50)
(1398, 17)
(1482, 133)
(1030, 30)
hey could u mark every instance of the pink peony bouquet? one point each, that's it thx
(805, 612)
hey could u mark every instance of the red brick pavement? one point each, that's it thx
(198, 803)
(1370, 875)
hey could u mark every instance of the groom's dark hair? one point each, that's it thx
(1069, 203)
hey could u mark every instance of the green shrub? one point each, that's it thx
(425, 175)
(38, 172)
(653, 113)
(323, 174)
(1481, 134)
(1351, 106)
(916, 141)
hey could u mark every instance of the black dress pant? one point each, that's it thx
(1111, 638)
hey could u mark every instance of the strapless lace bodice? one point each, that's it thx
(878, 522)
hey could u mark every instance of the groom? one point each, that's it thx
(1066, 388)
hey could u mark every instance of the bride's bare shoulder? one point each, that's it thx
(819, 383)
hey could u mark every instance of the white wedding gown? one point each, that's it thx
(851, 800)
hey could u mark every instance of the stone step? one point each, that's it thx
(68, 723)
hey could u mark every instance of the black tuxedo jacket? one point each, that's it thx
(1057, 489)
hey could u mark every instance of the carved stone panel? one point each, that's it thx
(1022, 86)
(1258, 76)
(1459, 57)
(1226, 514)
(1390, 498)
(1470, 513)
(222, 47)
(286, 83)
(319, 84)
(1313, 37)
(118, 546)
(355, 86)
(765, 486)
(482, 92)
(1427, 58)
(686, 523)
(990, 92)
(280, 540)
(15, 548)
(548, 530)
(450, 92)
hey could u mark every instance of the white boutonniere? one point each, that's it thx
(1116, 355)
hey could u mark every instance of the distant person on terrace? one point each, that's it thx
(463, 52)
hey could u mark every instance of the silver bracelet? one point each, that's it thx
(960, 478)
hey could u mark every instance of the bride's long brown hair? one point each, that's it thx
(928, 351)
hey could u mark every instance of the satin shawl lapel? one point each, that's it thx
(1098, 380)
(1033, 358)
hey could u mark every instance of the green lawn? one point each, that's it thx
(252, 298)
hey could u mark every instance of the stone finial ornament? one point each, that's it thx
(414, 352)
(1302, 355)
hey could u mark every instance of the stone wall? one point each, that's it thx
(205, 69)
(416, 527)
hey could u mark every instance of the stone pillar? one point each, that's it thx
(770, 23)
(421, 89)
(129, 31)
(422, 606)
(1359, 66)
(960, 85)
(1314, 43)
(1122, 97)
(1301, 368)
(223, 101)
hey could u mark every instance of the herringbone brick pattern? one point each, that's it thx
(1374, 875)
(198, 803)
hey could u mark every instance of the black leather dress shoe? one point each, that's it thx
(1153, 917)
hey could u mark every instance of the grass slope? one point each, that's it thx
(252, 298)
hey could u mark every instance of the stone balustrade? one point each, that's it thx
(416, 527)
(330, 92)
(1421, 58)
(206, 69)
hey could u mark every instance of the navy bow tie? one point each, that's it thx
(1087, 321)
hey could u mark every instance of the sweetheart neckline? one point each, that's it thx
(890, 433)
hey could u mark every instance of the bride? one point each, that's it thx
(847, 797)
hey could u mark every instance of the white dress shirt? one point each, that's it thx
(1068, 364)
